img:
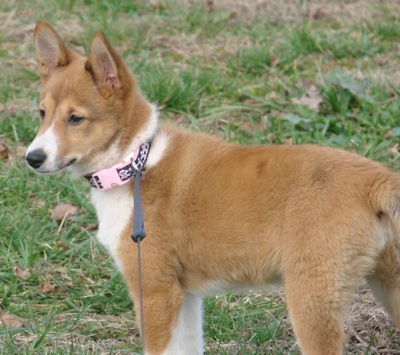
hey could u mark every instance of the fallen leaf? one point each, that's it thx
(271, 95)
(157, 6)
(312, 99)
(388, 134)
(63, 210)
(288, 141)
(252, 127)
(11, 321)
(48, 287)
(37, 202)
(209, 6)
(91, 227)
(62, 245)
(270, 138)
(315, 12)
(3, 151)
(12, 109)
(251, 101)
(21, 151)
(18, 153)
(23, 274)
(395, 150)
(274, 58)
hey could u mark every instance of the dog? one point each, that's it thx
(218, 216)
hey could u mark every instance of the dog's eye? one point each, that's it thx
(75, 120)
(42, 114)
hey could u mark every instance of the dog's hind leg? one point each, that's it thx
(385, 282)
(316, 310)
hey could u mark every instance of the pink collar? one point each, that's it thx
(121, 173)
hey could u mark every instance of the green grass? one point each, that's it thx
(244, 75)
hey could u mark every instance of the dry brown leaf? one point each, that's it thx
(91, 227)
(23, 274)
(48, 287)
(18, 153)
(12, 109)
(157, 6)
(271, 95)
(38, 202)
(4, 151)
(252, 127)
(63, 271)
(63, 210)
(274, 58)
(315, 12)
(395, 150)
(288, 141)
(62, 245)
(21, 151)
(251, 101)
(270, 138)
(312, 99)
(11, 321)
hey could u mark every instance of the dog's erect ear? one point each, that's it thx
(104, 64)
(50, 50)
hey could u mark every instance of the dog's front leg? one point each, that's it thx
(172, 319)
(187, 332)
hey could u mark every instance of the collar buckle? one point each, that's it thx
(121, 173)
(107, 178)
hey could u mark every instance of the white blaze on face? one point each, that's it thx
(48, 144)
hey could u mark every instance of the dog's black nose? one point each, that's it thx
(36, 158)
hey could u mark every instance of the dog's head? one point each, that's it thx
(89, 107)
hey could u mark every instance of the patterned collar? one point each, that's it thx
(120, 174)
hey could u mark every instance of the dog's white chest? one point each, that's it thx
(114, 208)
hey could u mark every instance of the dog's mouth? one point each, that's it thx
(70, 163)
(57, 170)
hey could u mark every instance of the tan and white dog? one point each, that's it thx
(218, 216)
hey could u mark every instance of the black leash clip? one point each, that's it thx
(138, 235)
(138, 220)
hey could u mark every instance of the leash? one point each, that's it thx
(138, 226)
(137, 236)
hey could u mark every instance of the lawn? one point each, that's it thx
(254, 72)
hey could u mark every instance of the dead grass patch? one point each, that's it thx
(109, 334)
(369, 328)
(293, 10)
